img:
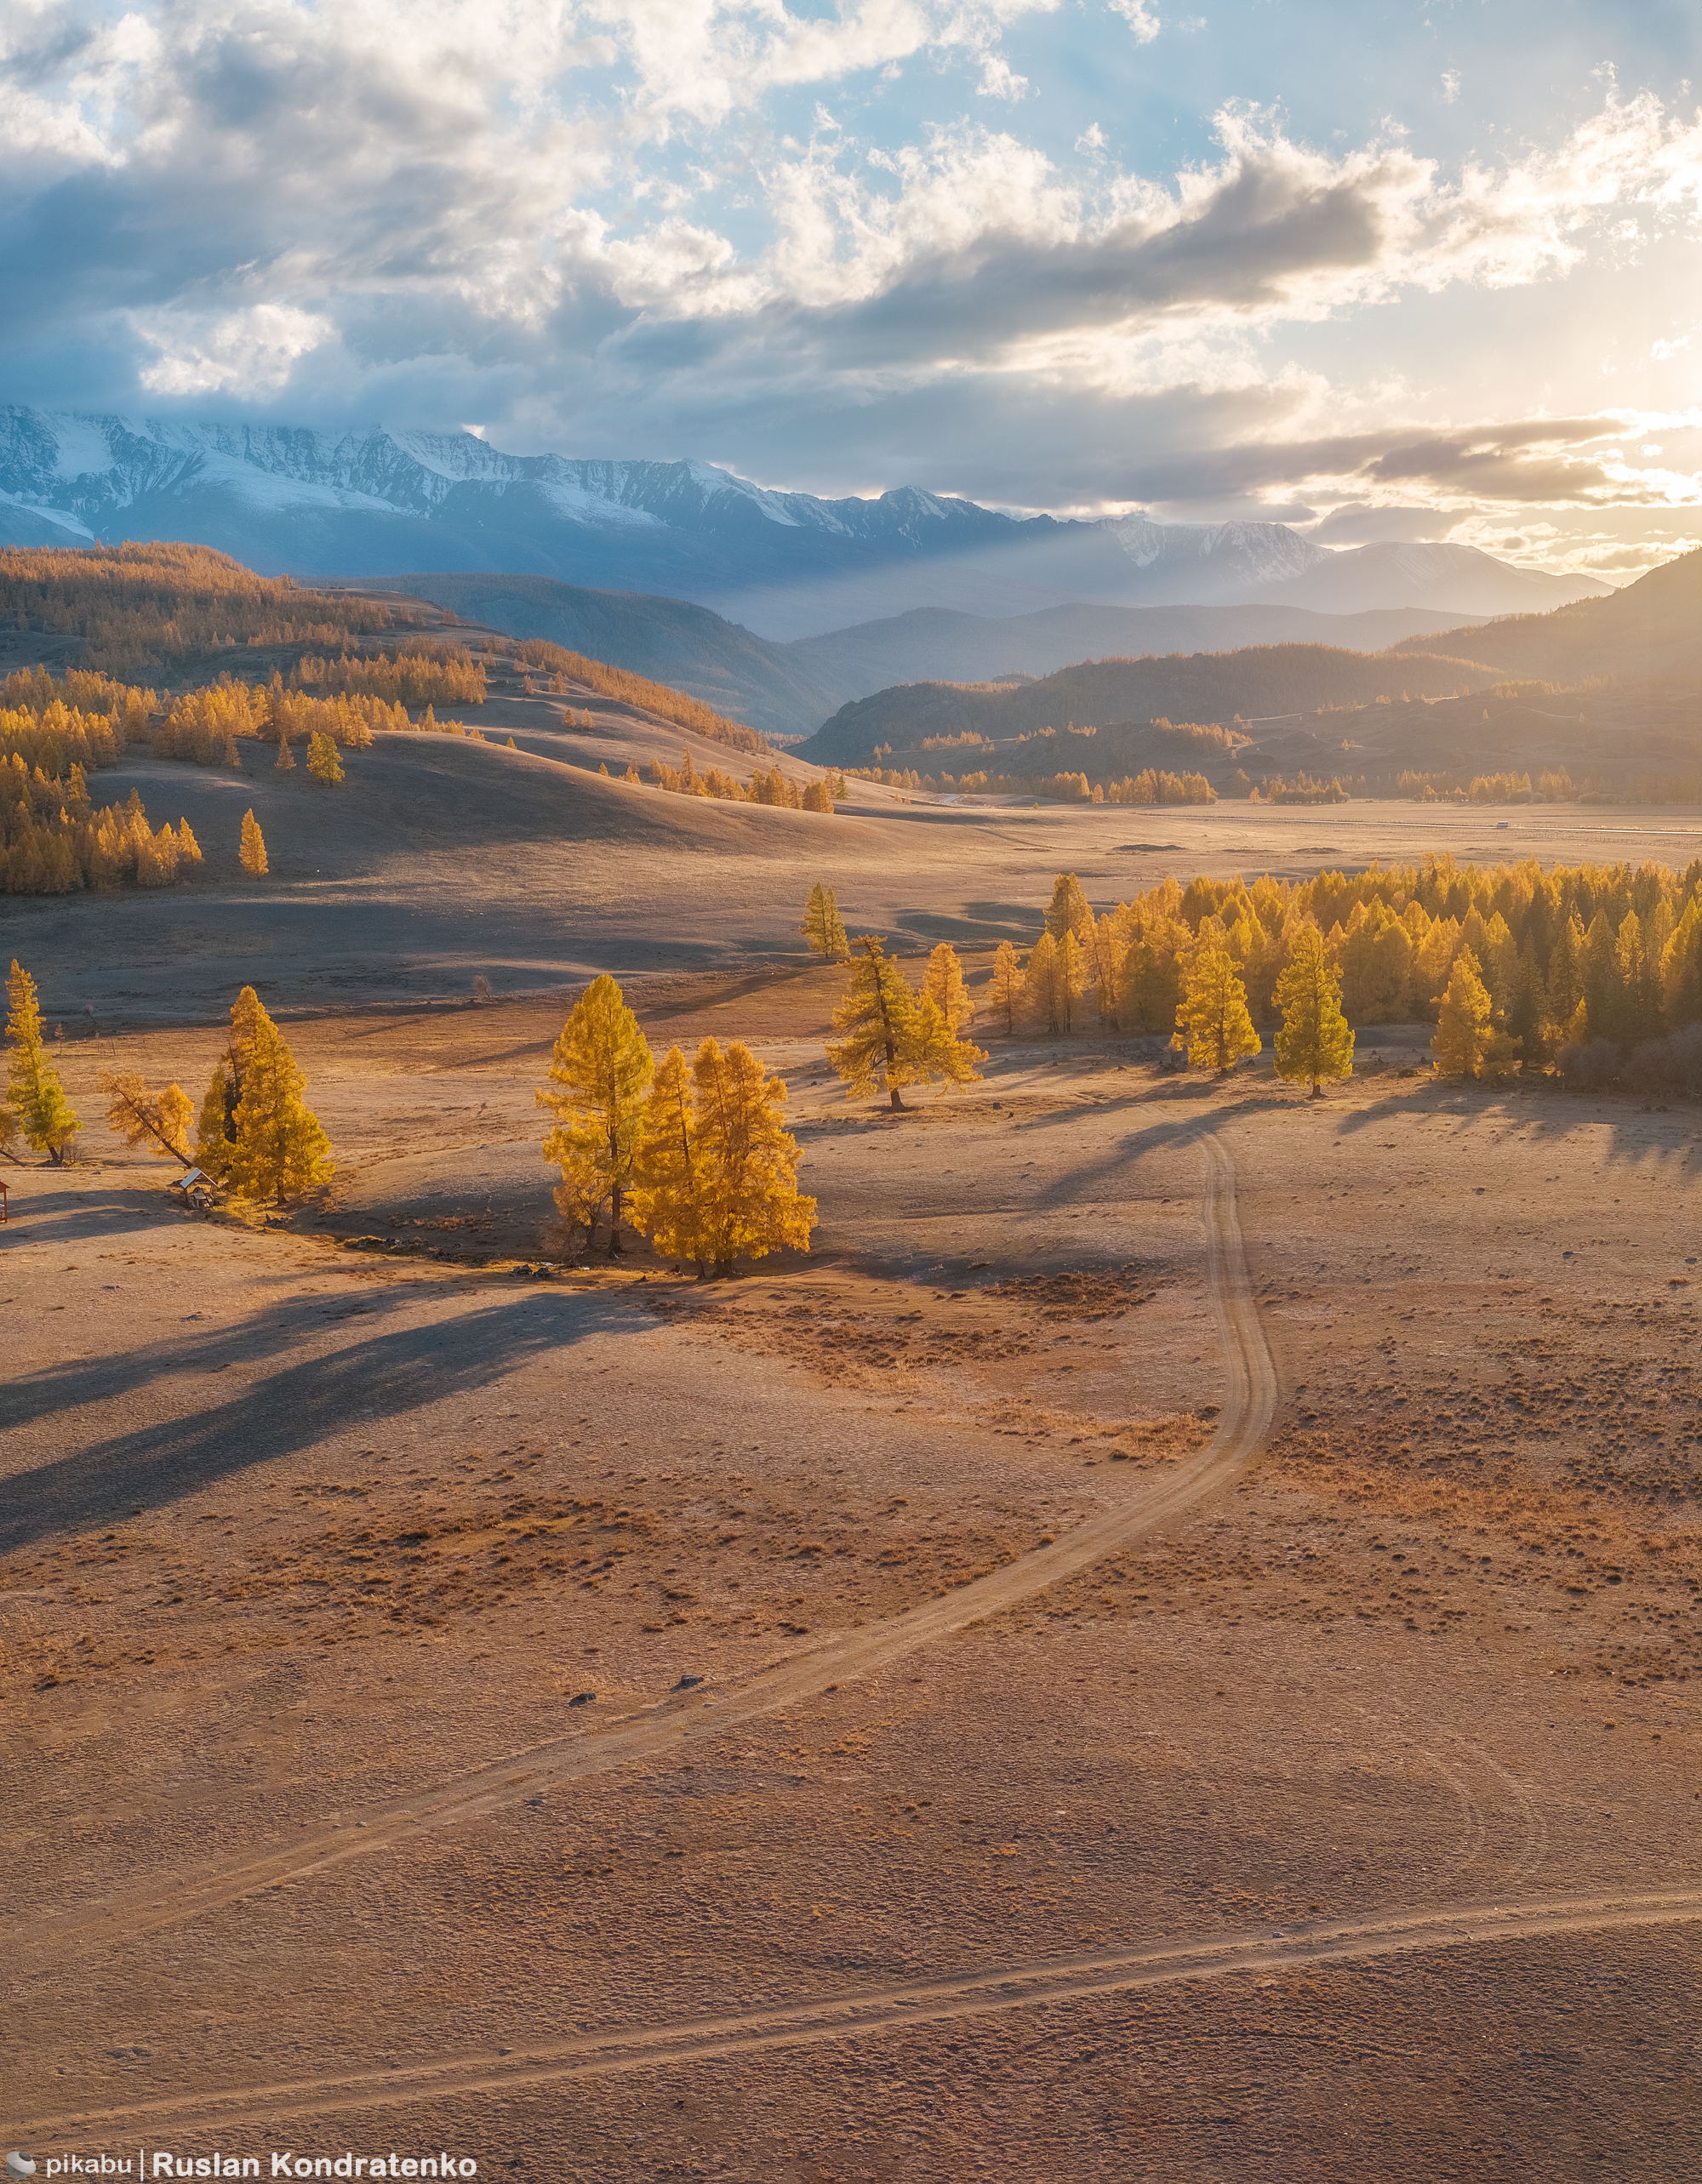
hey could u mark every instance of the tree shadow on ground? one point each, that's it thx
(1638, 1132)
(378, 1376)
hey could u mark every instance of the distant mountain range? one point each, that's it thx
(787, 565)
(790, 689)
(1608, 685)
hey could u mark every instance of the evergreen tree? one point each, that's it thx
(253, 853)
(748, 1202)
(322, 761)
(1068, 907)
(936, 1049)
(1212, 1018)
(9, 1134)
(943, 982)
(1529, 1009)
(45, 1116)
(159, 1121)
(1465, 1027)
(1602, 996)
(286, 760)
(1681, 967)
(279, 1149)
(1152, 984)
(1565, 975)
(1004, 997)
(602, 1066)
(823, 927)
(1315, 1041)
(188, 848)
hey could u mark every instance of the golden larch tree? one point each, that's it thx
(253, 853)
(1005, 993)
(45, 1117)
(943, 982)
(600, 1069)
(665, 1200)
(1212, 1018)
(322, 761)
(748, 1203)
(286, 757)
(1465, 1026)
(823, 927)
(874, 1021)
(1068, 907)
(257, 1134)
(1315, 1040)
(158, 1120)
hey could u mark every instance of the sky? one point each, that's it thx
(1401, 269)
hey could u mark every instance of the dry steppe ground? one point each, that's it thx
(886, 1840)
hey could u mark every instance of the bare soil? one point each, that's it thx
(873, 1717)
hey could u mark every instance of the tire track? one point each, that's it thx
(1250, 1402)
(895, 2009)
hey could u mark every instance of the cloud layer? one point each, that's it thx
(845, 249)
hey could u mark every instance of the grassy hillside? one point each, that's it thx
(1651, 629)
(1258, 682)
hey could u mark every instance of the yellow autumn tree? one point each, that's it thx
(158, 1120)
(1212, 1018)
(1315, 1041)
(1004, 994)
(823, 927)
(253, 853)
(748, 1203)
(886, 1026)
(1465, 1026)
(45, 1117)
(666, 1193)
(258, 1136)
(1069, 906)
(322, 761)
(943, 980)
(600, 1070)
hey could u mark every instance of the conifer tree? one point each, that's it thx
(1601, 980)
(286, 761)
(823, 927)
(9, 1134)
(602, 1067)
(1068, 907)
(666, 1192)
(45, 1116)
(1040, 980)
(188, 848)
(1314, 1041)
(1072, 978)
(1004, 995)
(322, 761)
(1681, 967)
(158, 1120)
(748, 1202)
(943, 981)
(1212, 1018)
(887, 1027)
(1528, 1009)
(253, 853)
(279, 1149)
(1465, 1025)
(875, 1021)
(1565, 976)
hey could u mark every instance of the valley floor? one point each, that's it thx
(1162, 1649)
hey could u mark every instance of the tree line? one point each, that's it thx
(568, 668)
(771, 787)
(158, 604)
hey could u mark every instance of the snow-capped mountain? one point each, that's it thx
(787, 564)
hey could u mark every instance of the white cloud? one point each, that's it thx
(250, 353)
(1450, 85)
(1140, 17)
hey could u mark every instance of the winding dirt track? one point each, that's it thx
(893, 2010)
(1250, 1400)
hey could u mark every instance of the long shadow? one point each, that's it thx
(1556, 1113)
(381, 1376)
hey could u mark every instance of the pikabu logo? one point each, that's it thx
(150, 2164)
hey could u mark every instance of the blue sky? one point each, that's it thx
(1388, 270)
